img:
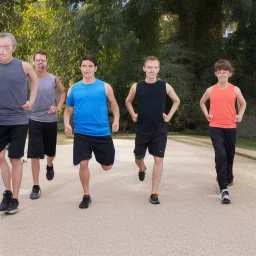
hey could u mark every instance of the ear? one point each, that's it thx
(230, 74)
(96, 68)
(144, 68)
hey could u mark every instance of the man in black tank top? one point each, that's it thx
(14, 106)
(151, 120)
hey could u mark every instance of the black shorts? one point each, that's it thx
(42, 139)
(155, 140)
(15, 135)
(102, 147)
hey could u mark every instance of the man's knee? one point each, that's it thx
(106, 167)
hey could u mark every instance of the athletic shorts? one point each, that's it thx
(102, 147)
(153, 140)
(42, 139)
(15, 136)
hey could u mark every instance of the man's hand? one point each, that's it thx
(52, 110)
(68, 130)
(134, 118)
(238, 118)
(209, 117)
(166, 118)
(115, 126)
(27, 106)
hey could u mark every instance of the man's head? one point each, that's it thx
(88, 66)
(8, 45)
(151, 67)
(223, 70)
(40, 60)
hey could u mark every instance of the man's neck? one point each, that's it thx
(150, 80)
(41, 74)
(223, 85)
(7, 61)
(90, 80)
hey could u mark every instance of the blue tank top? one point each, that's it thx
(90, 108)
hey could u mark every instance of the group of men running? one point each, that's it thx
(92, 132)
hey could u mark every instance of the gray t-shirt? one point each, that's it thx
(13, 93)
(46, 97)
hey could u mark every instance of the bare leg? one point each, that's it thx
(157, 173)
(50, 160)
(140, 163)
(16, 176)
(85, 176)
(106, 167)
(5, 171)
(35, 165)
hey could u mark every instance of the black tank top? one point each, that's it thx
(151, 104)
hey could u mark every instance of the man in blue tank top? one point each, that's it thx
(88, 99)
(43, 121)
(151, 120)
(14, 106)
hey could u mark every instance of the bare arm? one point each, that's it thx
(33, 85)
(176, 102)
(203, 100)
(66, 117)
(113, 106)
(62, 91)
(129, 100)
(241, 104)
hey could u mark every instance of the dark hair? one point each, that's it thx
(90, 58)
(152, 58)
(223, 64)
(41, 52)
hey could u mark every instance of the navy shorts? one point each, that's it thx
(15, 136)
(102, 147)
(153, 140)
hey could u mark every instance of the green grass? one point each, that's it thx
(246, 143)
(242, 142)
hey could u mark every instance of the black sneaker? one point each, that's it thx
(13, 207)
(7, 196)
(49, 172)
(85, 202)
(36, 192)
(154, 199)
(141, 175)
(225, 196)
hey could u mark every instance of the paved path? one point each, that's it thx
(190, 220)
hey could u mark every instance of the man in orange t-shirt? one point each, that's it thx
(222, 119)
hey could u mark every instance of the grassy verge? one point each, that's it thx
(246, 143)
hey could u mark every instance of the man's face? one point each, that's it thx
(223, 75)
(151, 68)
(40, 62)
(88, 69)
(6, 49)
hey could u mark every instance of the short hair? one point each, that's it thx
(90, 58)
(223, 64)
(11, 36)
(152, 58)
(41, 52)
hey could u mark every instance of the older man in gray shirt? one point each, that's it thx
(14, 108)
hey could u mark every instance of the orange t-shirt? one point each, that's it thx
(222, 107)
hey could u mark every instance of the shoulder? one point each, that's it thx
(237, 89)
(73, 87)
(209, 89)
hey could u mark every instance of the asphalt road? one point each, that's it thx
(190, 219)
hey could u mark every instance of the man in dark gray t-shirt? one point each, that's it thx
(14, 107)
(43, 121)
